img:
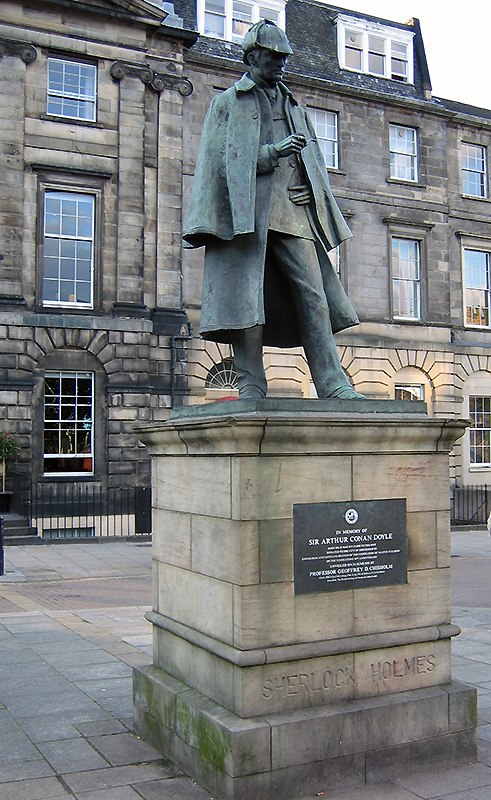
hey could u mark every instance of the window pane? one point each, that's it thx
(480, 430)
(325, 126)
(222, 375)
(406, 283)
(403, 153)
(354, 39)
(398, 63)
(477, 287)
(68, 426)
(409, 391)
(376, 45)
(376, 64)
(68, 248)
(376, 55)
(241, 20)
(215, 18)
(71, 89)
(268, 13)
(474, 179)
(374, 52)
(353, 53)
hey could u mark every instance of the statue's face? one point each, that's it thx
(267, 65)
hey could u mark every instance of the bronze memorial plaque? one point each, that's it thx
(350, 545)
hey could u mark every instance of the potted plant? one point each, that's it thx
(9, 446)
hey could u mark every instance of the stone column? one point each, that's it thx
(257, 690)
(129, 288)
(12, 83)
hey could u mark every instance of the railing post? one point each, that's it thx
(2, 558)
(143, 509)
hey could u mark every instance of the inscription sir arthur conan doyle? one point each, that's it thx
(329, 556)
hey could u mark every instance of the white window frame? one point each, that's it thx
(398, 279)
(278, 6)
(467, 171)
(319, 118)
(69, 426)
(51, 239)
(403, 160)
(367, 29)
(468, 284)
(67, 95)
(483, 430)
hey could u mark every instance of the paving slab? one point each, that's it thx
(124, 748)
(432, 784)
(173, 789)
(386, 791)
(7, 722)
(19, 686)
(34, 789)
(64, 702)
(103, 728)
(120, 776)
(121, 793)
(16, 746)
(106, 687)
(71, 755)
(482, 793)
(49, 728)
(20, 771)
(485, 732)
(119, 707)
(109, 669)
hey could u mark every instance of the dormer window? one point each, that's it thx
(375, 49)
(231, 19)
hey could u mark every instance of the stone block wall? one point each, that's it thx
(129, 159)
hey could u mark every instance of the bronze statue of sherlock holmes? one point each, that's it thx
(262, 207)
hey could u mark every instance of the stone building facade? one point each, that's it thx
(90, 211)
(103, 107)
(409, 172)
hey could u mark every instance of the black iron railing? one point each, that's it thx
(470, 505)
(19, 483)
(82, 510)
(2, 554)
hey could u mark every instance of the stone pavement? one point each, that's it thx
(71, 628)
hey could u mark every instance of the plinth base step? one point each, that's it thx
(285, 754)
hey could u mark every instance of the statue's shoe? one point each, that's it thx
(251, 393)
(346, 393)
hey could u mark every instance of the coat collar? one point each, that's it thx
(245, 84)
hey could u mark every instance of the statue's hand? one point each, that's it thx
(292, 145)
(300, 195)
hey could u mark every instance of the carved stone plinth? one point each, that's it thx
(258, 691)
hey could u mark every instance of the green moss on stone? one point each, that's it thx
(212, 741)
(203, 734)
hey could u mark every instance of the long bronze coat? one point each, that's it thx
(229, 214)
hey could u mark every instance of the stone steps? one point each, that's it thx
(17, 531)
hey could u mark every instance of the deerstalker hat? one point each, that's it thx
(267, 35)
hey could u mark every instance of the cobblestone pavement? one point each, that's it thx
(72, 627)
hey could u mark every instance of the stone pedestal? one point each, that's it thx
(262, 693)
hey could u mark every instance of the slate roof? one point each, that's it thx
(464, 108)
(187, 10)
(310, 29)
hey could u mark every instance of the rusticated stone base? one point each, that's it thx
(281, 755)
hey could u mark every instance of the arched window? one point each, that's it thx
(222, 375)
